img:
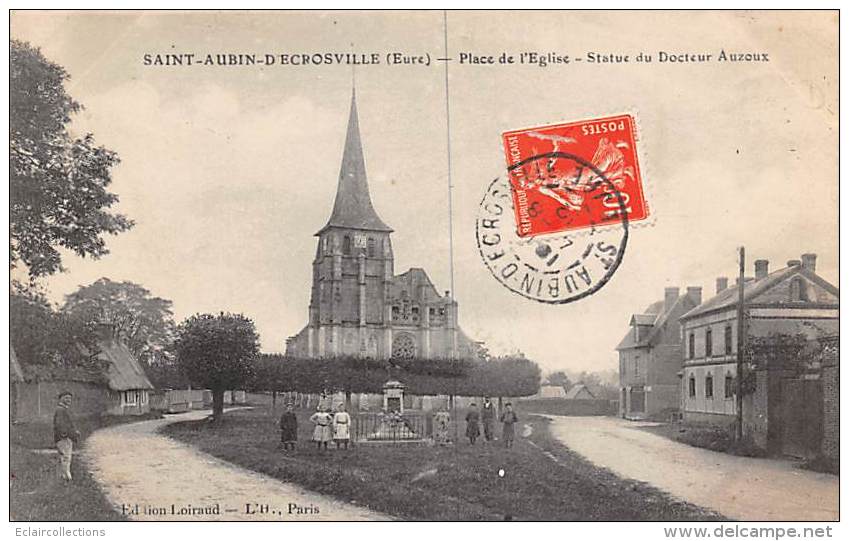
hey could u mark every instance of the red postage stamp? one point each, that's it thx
(575, 176)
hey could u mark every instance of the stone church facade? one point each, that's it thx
(358, 305)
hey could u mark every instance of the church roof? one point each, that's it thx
(353, 208)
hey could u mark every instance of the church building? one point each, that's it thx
(359, 306)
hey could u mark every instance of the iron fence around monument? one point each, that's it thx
(392, 427)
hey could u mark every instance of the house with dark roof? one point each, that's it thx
(579, 392)
(783, 398)
(650, 356)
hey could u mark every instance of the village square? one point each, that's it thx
(387, 401)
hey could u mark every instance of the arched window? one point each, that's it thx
(708, 343)
(709, 386)
(346, 245)
(729, 385)
(691, 342)
(692, 386)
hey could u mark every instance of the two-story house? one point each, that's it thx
(792, 303)
(649, 356)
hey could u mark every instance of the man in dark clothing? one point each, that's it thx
(65, 433)
(488, 418)
(289, 428)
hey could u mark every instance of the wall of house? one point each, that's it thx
(698, 417)
(719, 403)
(37, 400)
(119, 406)
(662, 400)
(831, 406)
(663, 391)
(633, 372)
(756, 410)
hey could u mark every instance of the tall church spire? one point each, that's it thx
(353, 208)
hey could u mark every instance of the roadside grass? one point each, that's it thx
(822, 464)
(420, 482)
(719, 439)
(36, 493)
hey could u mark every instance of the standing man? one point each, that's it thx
(289, 428)
(65, 434)
(488, 418)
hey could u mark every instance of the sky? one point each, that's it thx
(228, 171)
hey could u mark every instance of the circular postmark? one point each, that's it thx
(561, 267)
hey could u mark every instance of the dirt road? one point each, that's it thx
(737, 487)
(152, 477)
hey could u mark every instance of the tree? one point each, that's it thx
(165, 372)
(598, 385)
(560, 378)
(49, 343)
(57, 183)
(143, 321)
(217, 353)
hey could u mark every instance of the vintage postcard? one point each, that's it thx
(425, 266)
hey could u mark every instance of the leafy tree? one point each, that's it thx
(143, 321)
(598, 385)
(57, 183)
(51, 344)
(560, 378)
(217, 353)
(165, 372)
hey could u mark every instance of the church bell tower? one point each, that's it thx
(353, 265)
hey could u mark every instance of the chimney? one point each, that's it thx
(670, 295)
(809, 262)
(761, 268)
(721, 284)
(695, 293)
(794, 263)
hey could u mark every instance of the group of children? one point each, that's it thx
(328, 426)
(337, 426)
(486, 415)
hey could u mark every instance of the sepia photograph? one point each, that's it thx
(561, 266)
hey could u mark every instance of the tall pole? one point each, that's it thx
(448, 153)
(741, 344)
(452, 398)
